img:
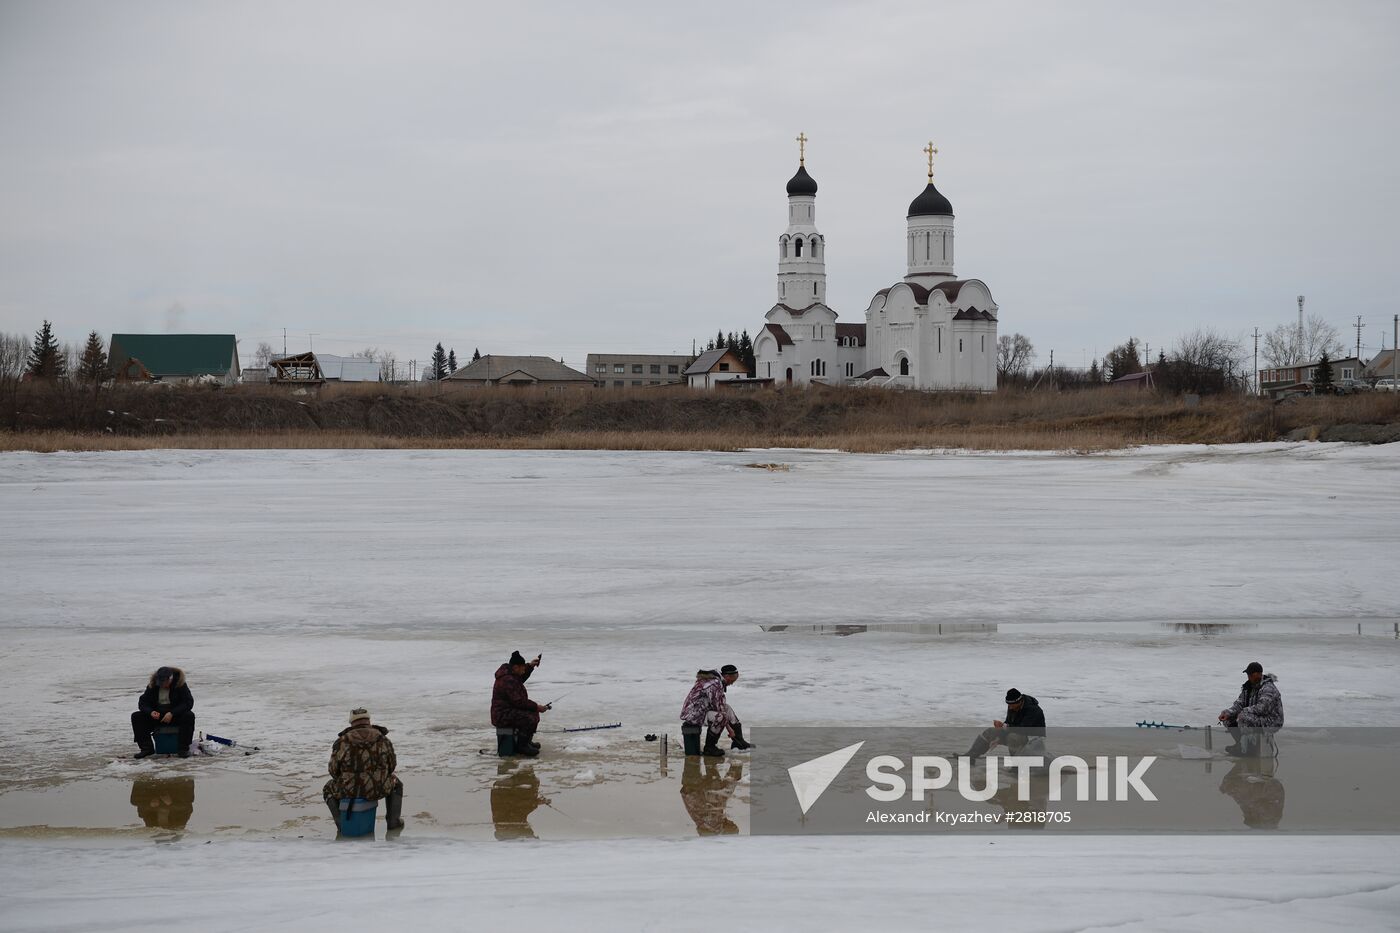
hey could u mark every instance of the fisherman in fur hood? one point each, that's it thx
(166, 702)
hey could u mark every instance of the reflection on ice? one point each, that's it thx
(514, 796)
(164, 803)
(706, 793)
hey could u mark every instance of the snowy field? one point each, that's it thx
(293, 585)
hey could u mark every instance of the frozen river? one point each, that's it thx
(906, 589)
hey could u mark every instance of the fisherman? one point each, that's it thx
(1025, 722)
(167, 701)
(511, 706)
(362, 765)
(705, 707)
(728, 674)
(1259, 707)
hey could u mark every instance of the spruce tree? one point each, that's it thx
(439, 370)
(452, 360)
(476, 355)
(746, 352)
(1322, 375)
(92, 367)
(719, 340)
(45, 358)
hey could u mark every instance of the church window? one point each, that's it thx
(959, 344)
(799, 248)
(904, 366)
(940, 339)
(814, 285)
(850, 370)
(984, 343)
(945, 247)
(784, 291)
(926, 246)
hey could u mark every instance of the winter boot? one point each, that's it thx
(690, 737)
(145, 752)
(525, 745)
(711, 749)
(393, 809)
(978, 749)
(334, 807)
(738, 741)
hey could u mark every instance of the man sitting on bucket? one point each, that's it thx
(167, 701)
(1025, 722)
(511, 706)
(362, 765)
(1258, 707)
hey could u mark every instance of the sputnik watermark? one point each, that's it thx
(1127, 778)
(1114, 778)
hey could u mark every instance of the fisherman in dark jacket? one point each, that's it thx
(1258, 709)
(167, 701)
(1025, 721)
(511, 706)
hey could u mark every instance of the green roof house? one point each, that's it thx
(175, 358)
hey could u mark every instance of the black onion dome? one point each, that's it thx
(802, 183)
(930, 202)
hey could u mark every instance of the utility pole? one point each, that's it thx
(1256, 361)
(1395, 356)
(284, 343)
(1358, 325)
(310, 344)
(1300, 323)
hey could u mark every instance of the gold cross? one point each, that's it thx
(930, 152)
(801, 148)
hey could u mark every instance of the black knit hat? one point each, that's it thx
(1013, 696)
(729, 669)
(1254, 668)
(515, 658)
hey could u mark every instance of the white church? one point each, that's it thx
(930, 330)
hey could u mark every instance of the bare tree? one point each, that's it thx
(1203, 361)
(1287, 345)
(368, 353)
(388, 367)
(263, 355)
(14, 356)
(1015, 354)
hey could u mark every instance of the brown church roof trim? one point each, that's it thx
(780, 334)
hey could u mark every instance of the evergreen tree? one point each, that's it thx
(719, 340)
(45, 358)
(1123, 360)
(476, 354)
(439, 364)
(1322, 375)
(92, 367)
(1095, 374)
(746, 352)
(452, 360)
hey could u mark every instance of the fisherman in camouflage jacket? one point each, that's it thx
(362, 765)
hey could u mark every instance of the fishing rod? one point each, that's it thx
(1163, 725)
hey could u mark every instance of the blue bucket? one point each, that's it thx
(167, 739)
(357, 816)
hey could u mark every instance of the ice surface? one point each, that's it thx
(294, 585)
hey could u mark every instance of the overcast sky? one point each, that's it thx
(561, 179)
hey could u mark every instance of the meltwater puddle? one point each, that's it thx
(568, 796)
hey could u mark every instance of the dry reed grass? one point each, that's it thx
(379, 417)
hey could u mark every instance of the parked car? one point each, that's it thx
(1387, 384)
(1349, 387)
